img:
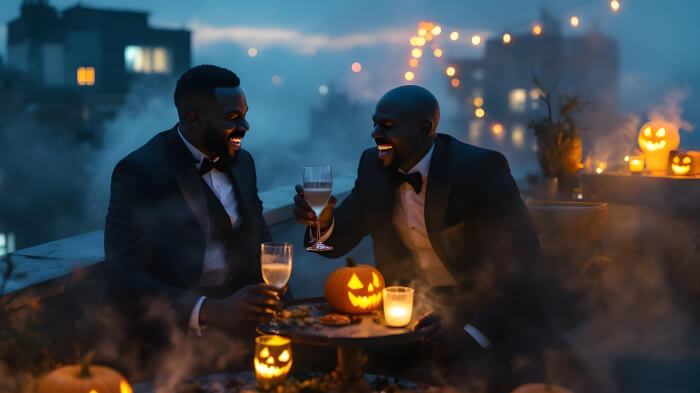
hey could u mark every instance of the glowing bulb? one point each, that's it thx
(252, 52)
(506, 38)
(497, 128)
(627, 158)
(417, 53)
(409, 76)
(615, 5)
(413, 63)
(476, 40)
(574, 21)
(437, 52)
(478, 102)
(421, 41)
(454, 82)
(414, 41)
(417, 41)
(537, 29)
(450, 71)
(436, 30)
(454, 36)
(356, 67)
(599, 170)
(422, 32)
(479, 112)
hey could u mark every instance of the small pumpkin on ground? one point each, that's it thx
(84, 378)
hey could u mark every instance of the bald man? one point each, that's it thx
(446, 218)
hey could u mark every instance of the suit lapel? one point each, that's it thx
(241, 184)
(437, 194)
(188, 179)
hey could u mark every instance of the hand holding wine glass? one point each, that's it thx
(276, 266)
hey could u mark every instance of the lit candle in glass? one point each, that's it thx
(636, 164)
(273, 360)
(398, 306)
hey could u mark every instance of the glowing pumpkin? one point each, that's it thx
(84, 378)
(273, 360)
(657, 139)
(684, 163)
(354, 289)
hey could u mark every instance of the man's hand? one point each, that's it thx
(305, 215)
(430, 324)
(242, 310)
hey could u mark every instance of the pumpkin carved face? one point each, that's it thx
(655, 136)
(273, 360)
(354, 289)
(685, 163)
(84, 378)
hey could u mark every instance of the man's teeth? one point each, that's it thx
(236, 140)
(385, 147)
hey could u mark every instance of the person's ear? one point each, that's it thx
(426, 127)
(193, 118)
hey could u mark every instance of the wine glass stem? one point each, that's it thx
(318, 231)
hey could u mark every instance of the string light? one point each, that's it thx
(413, 63)
(478, 102)
(417, 53)
(252, 52)
(450, 71)
(615, 5)
(574, 21)
(454, 82)
(506, 38)
(409, 76)
(479, 112)
(422, 32)
(436, 30)
(497, 128)
(537, 29)
(454, 36)
(476, 40)
(437, 52)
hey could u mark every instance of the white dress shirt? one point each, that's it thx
(214, 267)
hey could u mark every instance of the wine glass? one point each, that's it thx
(318, 183)
(276, 266)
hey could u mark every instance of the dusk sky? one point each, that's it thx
(314, 42)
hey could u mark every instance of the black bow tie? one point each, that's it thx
(208, 165)
(415, 179)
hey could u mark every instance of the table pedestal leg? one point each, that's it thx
(349, 369)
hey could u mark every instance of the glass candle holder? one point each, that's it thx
(636, 164)
(273, 360)
(398, 306)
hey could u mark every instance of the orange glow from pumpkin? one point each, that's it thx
(681, 167)
(124, 387)
(273, 360)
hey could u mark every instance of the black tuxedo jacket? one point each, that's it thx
(477, 225)
(158, 224)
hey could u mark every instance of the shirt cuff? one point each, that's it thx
(195, 329)
(478, 336)
(324, 235)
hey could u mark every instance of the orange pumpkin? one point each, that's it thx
(657, 139)
(354, 289)
(684, 163)
(83, 378)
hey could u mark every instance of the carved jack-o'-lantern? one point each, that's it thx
(684, 163)
(83, 378)
(273, 360)
(354, 289)
(657, 139)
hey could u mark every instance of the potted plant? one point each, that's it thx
(559, 148)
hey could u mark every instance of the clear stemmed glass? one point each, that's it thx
(318, 184)
(276, 266)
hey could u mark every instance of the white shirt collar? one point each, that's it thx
(424, 164)
(196, 153)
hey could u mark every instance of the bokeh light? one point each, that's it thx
(478, 102)
(506, 38)
(537, 29)
(450, 71)
(436, 30)
(454, 82)
(409, 76)
(356, 67)
(437, 52)
(615, 5)
(323, 90)
(252, 52)
(417, 53)
(454, 36)
(476, 40)
(574, 21)
(497, 128)
(413, 63)
(479, 112)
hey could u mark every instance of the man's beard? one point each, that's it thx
(218, 144)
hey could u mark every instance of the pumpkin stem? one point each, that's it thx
(350, 261)
(85, 365)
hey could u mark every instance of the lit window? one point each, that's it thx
(7, 243)
(147, 60)
(517, 99)
(85, 76)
